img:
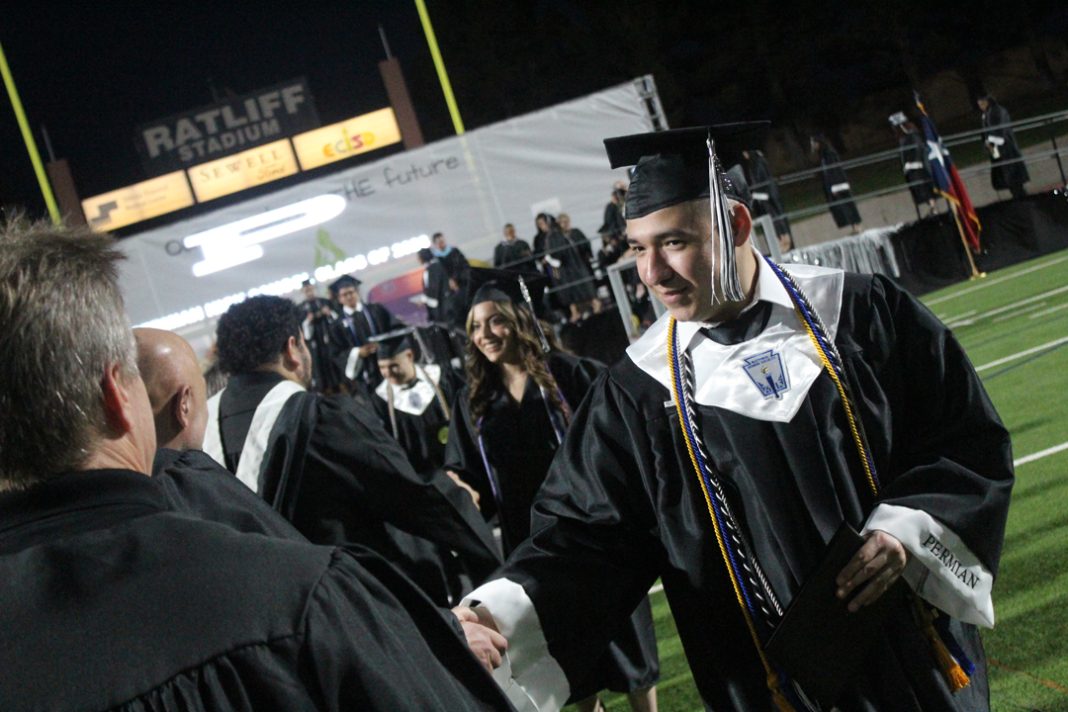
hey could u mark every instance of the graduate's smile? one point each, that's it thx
(490, 331)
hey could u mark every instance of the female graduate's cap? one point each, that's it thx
(672, 167)
(498, 285)
(344, 281)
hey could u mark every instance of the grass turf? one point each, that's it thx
(1009, 312)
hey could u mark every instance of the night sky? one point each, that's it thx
(92, 73)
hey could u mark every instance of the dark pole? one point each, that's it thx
(1056, 151)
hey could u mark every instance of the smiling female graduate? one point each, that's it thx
(511, 418)
(766, 408)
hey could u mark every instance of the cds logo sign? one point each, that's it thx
(344, 139)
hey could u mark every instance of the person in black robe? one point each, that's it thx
(111, 599)
(457, 270)
(740, 445)
(1008, 170)
(511, 253)
(613, 223)
(435, 286)
(766, 198)
(914, 162)
(511, 418)
(352, 348)
(318, 315)
(836, 185)
(577, 288)
(325, 462)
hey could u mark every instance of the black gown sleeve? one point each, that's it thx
(951, 455)
(592, 554)
(373, 641)
(383, 484)
(462, 454)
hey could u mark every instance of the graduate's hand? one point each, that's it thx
(482, 637)
(367, 349)
(463, 485)
(879, 563)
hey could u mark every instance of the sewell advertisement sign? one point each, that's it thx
(193, 137)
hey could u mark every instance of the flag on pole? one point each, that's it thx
(947, 181)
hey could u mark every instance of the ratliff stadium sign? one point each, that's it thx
(243, 122)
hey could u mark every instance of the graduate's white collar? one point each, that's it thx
(413, 399)
(721, 370)
(349, 312)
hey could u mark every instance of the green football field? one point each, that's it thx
(1014, 326)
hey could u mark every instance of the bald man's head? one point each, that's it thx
(175, 388)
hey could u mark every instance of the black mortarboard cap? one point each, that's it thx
(390, 346)
(485, 285)
(344, 280)
(671, 167)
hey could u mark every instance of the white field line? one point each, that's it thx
(1010, 307)
(1040, 454)
(1047, 312)
(1020, 354)
(995, 280)
(1015, 315)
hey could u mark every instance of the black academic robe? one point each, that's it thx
(1008, 172)
(317, 335)
(436, 290)
(514, 255)
(765, 191)
(110, 599)
(352, 331)
(573, 279)
(622, 505)
(332, 470)
(458, 270)
(520, 443)
(837, 190)
(916, 168)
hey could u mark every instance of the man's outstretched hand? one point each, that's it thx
(482, 637)
(879, 562)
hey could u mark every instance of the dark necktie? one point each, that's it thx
(747, 326)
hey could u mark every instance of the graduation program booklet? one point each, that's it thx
(819, 644)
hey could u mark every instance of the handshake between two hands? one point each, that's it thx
(482, 637)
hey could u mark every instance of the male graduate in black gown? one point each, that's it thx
(726, 470)
(351, 345)
(325, 462)
(112, 599)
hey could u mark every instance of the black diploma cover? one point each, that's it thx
(819, 644)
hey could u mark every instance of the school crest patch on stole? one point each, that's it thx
(767, 372)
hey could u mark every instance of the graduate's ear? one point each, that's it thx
(291, 359)
(742, 222)
(117, 400)
(182, 406)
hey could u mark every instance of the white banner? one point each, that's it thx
(371, 219)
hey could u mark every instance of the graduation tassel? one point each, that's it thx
(955, 676)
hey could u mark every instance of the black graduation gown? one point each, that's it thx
(339, 477)
(435, 289)
(514, 255)
(458, 269)
(109, 599)
(574, 276)
(622, 505)
(766, 198)
(421, 435)
(1008, 172)
(916, 168)
(520, 444)
(345, 338)
(325, 374)
(836, 189)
